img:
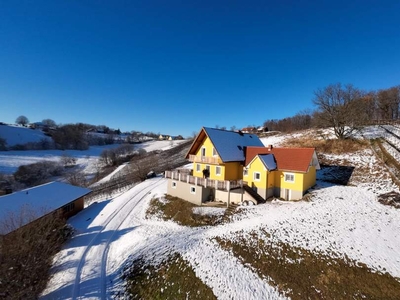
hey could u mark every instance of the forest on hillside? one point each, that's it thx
(345, 108)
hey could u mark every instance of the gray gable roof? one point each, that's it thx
(38, 201)
(230, 145)
(268, 161)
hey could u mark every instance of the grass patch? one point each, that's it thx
(329, 146)
(173, 279)
(180, 211)
(302, 274)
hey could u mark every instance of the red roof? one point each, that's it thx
(289, 159)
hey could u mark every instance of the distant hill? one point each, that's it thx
(17, 135)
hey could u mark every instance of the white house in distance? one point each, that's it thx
(26, 206)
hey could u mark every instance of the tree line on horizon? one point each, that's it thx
(76, 136)
(344, 108)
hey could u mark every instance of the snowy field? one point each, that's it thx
(86, 159)
(338, 220)
(15, 135)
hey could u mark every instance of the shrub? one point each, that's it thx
(26, 255)
(37, 173)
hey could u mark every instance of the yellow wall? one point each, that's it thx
(267, 178)
(271, 179)
(233, 171)
(297, 185)
(209, 148)
(229, 171)
(310, 178)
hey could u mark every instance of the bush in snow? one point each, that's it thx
(26, 254)
(37, 173)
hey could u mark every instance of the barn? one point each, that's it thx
(23, 207)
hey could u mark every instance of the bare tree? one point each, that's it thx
(340, 108)
(67, 160)
(142, 165)
(22, 120)
(26, 254)
(388, 103)
(77, 179)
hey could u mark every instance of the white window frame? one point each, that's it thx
(216, 170)
(254, 176)
(203, 151)
(173, 184)
(208, 167)
(192, 189)
(214, 152)
(289, 179)
(198, 168)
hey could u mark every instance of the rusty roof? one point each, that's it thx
(287, 159)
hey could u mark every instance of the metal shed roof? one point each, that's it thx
(38, 201)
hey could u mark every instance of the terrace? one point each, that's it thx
(223, 185)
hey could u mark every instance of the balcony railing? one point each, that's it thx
(224, 185)
(203, 159)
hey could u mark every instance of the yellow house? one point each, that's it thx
(225, 160)
(220, 154)
(281, 172)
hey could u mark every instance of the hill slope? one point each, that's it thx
(338, 226)
(17, 135)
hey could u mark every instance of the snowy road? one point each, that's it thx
(113, 231)
(86, 256)
(340, 220)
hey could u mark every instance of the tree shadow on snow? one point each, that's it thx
(90, 288)
(97, 237)
(82, 220)
(335, 175)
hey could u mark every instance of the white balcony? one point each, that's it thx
(224, 185)
(204, 159)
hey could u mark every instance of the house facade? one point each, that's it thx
(286, 173)
(232, 166)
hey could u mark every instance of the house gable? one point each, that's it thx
(288, 159)
(230, 145)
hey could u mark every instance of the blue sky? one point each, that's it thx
(174, 66)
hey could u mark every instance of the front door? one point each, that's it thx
(287, 194)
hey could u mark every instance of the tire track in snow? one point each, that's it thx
(81, 265)
(107, 246)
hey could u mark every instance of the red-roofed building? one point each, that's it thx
(281, 172)
(225, 160)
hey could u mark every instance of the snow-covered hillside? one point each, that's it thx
(15, 135)
(340, 221)
(86, 159)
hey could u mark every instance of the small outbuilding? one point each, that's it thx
(23, 207)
